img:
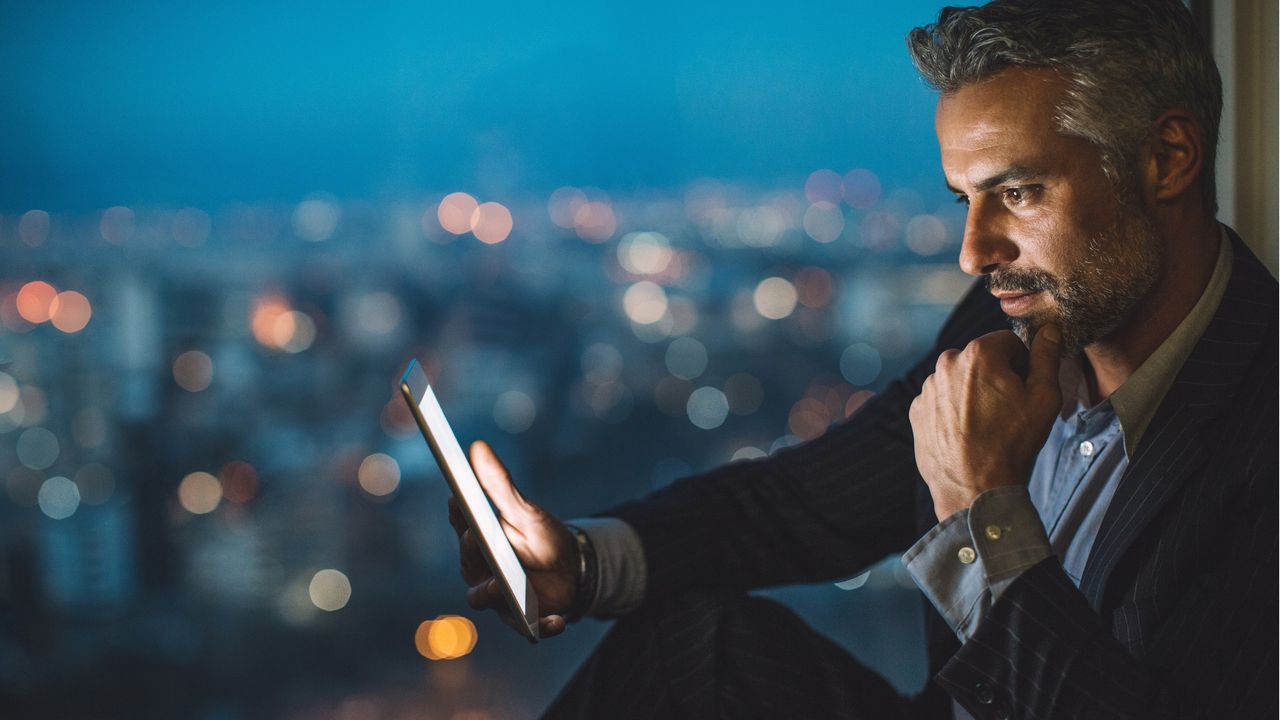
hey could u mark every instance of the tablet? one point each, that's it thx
(475, 504)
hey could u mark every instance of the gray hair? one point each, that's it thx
(1124, 61)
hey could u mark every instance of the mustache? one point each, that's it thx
(1022, 281)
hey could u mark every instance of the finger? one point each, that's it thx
(474, 569)
(458, 522)
(550, 626)
(485, 595)
(1046, 355)
(496, 481)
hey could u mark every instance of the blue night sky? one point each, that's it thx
(156, 104)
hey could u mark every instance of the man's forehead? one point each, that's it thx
(1009, 98)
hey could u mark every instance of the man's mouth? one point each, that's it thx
(1014, 302)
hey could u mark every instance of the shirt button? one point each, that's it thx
(983, 693)
(967, 555)
(1086, 448)
(994, 532)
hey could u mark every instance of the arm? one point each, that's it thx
(822, 510)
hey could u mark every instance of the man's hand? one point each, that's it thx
(543, 544)
(978, 424)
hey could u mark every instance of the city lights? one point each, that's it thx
(645, 302)
(35, 301)
(446, 638)
(37, 448)
(926, 235)
(379, 474)
(491, 223)
(59, 498)
(190, 227)
(456, 212)
(707, 408)
(644, 253)
(8, 392)
(814, 287)
(199, 493)
(514, 411)
(330, 590)
(239, 481)
(860, 364)
(686, 358)
(823, 221)
(70, 311)
(117, 225)
(193, 371)
(775, 298)
(316, 218)
(33, 228)
(595, 221)
(824, 186)
(861, 188)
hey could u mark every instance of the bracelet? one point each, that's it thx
(585, 595)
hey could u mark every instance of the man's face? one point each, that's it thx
(1057, 240)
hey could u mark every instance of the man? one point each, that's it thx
(1093, 520)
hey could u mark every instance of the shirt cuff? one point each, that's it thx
(620, 570)
(965, 562)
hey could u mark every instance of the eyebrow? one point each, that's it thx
(1013, 173)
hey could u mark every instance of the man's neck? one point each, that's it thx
(1113, 359)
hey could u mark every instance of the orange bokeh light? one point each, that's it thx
(269, 320)
(445, 638)
(70, 311)
(35, 301)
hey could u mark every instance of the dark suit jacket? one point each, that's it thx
(1176, 615)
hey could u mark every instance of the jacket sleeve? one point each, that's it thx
(815, 512)
(1044, 652)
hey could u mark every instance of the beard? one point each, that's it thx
(1091, 301)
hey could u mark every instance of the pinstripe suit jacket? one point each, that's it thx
(1176, 614)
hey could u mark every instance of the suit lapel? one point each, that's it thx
(1174, 445)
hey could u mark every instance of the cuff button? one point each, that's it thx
(994, 532)
(967, 555)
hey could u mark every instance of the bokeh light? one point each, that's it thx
(33, 228)
(456, 211)
(267, 310)
(814, 287)
(35, 301)
(190, 227)
(749, 452)
(514, 411)
(316, 218)
(860, 364)
(563, 206)
(645, 302)
(379, 474)
(823, 186)
(926, 235)
(595, 221)
(686, 358)
(70, 311)
(37, 448)
(330, 590)
(644, 253)
(707, 408)
(294, 331)
(861, 188)
(445, 638)
(491, 223)
(193, 371)
(199, 493)
(808, 419)
(239, 481)
(117, 225)
(8, 392)
(824, 221)
(775, 298)
(59, 498)
(601, 362)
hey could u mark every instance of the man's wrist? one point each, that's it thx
(587, 578)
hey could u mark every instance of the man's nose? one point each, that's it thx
(986, 246)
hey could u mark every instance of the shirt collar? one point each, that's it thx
(1135, 402)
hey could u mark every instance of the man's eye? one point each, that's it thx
(1019, 195)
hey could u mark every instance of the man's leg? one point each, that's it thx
(722, 656)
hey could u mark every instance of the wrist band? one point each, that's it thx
(585, 594)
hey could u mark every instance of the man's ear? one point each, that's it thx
(1174, 156)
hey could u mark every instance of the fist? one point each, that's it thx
(983, 415)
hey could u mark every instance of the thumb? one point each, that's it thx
(496, 481)
(1046, 355)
